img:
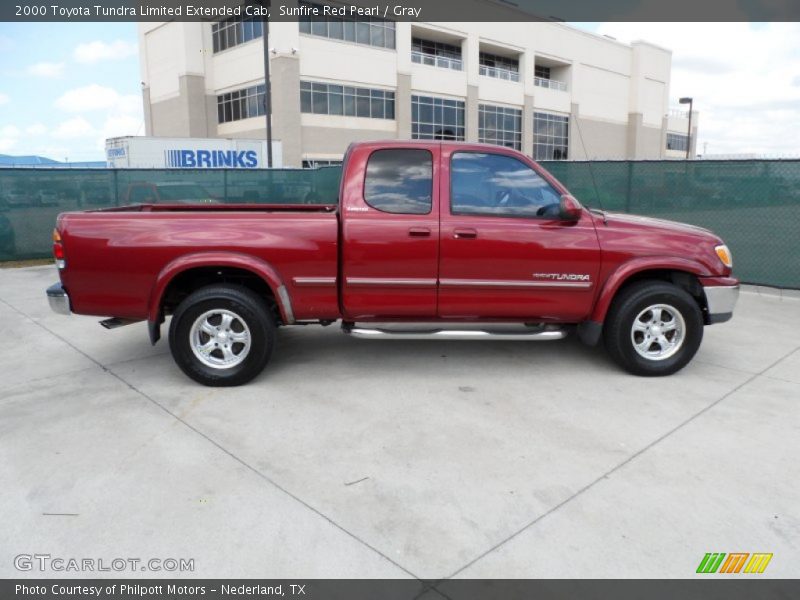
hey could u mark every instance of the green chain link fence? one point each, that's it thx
(754, 205)
(30, 199)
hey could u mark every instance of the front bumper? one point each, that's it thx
(721, 300)
(58, 299)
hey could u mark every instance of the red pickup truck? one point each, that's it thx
(427, 239)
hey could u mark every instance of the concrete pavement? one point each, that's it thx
(354, 458)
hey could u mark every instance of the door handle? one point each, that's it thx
(419, 232)
(465, 234)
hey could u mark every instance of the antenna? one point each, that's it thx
(589, 162)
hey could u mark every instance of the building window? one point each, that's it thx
(368, 31)
(400, 181)
(500, 125)
(437, 118)
(314, 163)
(241, 104)
(329, 99)
(542, 72)
(676, 141)
(436, 54)
(232, 32)
(500, 67)
(550, 136)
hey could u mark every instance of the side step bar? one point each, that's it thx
(115, 322)
(522, 334)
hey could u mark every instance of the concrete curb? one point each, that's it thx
(771, 292)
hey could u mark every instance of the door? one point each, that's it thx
(504, 250)
(390, 234)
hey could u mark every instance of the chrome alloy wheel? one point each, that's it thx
(658, 332)
(220, 339)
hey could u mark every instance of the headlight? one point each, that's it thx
(724, 255)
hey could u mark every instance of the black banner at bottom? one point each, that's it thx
(399, 589)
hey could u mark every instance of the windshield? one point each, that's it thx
(183, 191)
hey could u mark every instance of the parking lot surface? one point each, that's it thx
(428, 459)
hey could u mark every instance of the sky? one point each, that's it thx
(744, 78)
(66, 87)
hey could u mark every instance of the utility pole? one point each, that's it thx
(265, 4)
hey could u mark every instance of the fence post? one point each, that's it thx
(629, 187)
(116, 188)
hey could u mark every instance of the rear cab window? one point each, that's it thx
(400, 181)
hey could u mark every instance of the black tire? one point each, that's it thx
(620, 339)
(252, 312)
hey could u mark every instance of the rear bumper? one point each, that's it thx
(721, 300)
(58, 299)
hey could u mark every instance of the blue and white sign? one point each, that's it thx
(211, 159)
(137, 152)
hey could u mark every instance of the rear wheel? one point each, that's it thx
(222, 335)
(653, 328)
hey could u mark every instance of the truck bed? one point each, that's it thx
(116, 257)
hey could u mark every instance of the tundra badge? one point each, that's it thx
(562, 276)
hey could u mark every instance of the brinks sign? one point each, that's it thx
(207, 159)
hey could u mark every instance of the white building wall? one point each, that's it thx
(608, 82)
(650, 82)
(333, 60)
(161, 59)
(236, 68)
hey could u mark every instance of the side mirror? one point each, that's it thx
(570, 209)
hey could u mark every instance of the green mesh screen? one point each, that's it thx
(754, 205)
(30, 199)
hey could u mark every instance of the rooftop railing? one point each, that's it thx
(678, 113)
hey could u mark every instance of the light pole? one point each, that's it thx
(265, 4)
(688, 101)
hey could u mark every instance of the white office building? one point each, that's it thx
(546, 88)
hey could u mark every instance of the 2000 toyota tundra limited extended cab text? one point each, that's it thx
(428, 239)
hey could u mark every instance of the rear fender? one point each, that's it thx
(217, 259)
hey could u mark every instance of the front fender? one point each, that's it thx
(237, 260)
(638, 265)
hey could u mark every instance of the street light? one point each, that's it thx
(266, 5)
(689, 137)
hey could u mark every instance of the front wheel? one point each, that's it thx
(653, 328)
(222, 335)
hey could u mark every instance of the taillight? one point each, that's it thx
(58, 250)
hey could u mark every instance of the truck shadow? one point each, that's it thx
(299, 349)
